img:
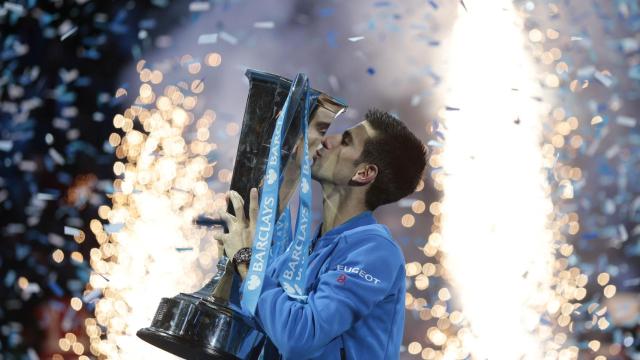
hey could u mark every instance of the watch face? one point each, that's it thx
(242, 256)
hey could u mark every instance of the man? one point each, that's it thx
(355, 277)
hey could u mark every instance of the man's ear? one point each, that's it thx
(365, 175)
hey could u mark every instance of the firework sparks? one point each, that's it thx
(496, 237)
(160, 190)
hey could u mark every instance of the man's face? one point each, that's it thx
(334, 158)
(318, 126)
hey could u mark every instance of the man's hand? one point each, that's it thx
(240, 230)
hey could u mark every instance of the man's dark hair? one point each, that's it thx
(399, 155)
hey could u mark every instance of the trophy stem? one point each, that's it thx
(210, 286)
(222, 290)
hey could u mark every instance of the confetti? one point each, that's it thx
(121, 92)
(18, 9)
(356, 38)
(415, 100)
(604, 78)
(631, 282)
(69, 33)
(264, 25)
(56, 156)
(68, 230)
(228, 38)
(199, 6)
(6, 145)
(46, 196)
(406, 202)
(113, 228)
(208, 38)
(56, 240)
(326, 12)
(92, 296)
(57, 290)
(434, 143)
(164, 41)
(334, 83)
(626, 121)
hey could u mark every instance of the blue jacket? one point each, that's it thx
(356, 294)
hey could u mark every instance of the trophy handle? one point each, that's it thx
(210, 286)
(222, 291)
(219, 287)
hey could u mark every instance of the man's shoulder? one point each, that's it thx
(364, 232)
(373, 236)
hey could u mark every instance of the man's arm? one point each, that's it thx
(346, 293)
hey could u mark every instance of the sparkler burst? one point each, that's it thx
(499, 234)
(496, 241)
(155, 250)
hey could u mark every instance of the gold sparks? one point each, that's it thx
(418, 206)
(547, 286)
(408, 220)
(76, 303)
(161, 186)
(603, 279)
(609, 290)
(58, 256)
(213, 59)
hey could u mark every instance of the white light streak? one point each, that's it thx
(496, 241)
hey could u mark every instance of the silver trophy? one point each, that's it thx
(208, 324)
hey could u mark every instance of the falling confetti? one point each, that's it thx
(69, 33)
(264, 25)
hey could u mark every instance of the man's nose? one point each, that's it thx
(325, 142)
(329, 141)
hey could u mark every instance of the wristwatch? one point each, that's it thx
(243, 256)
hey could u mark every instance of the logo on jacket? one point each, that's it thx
(360, 272)
(341, 279)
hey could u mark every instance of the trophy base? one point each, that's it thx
(200, 328)
(180, 346)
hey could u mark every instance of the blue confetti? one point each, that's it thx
(57, 290)
(326, 12)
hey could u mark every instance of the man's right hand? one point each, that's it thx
(241, 231)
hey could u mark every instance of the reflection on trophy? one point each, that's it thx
(208, 323)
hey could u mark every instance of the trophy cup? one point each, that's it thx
(206, 324)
